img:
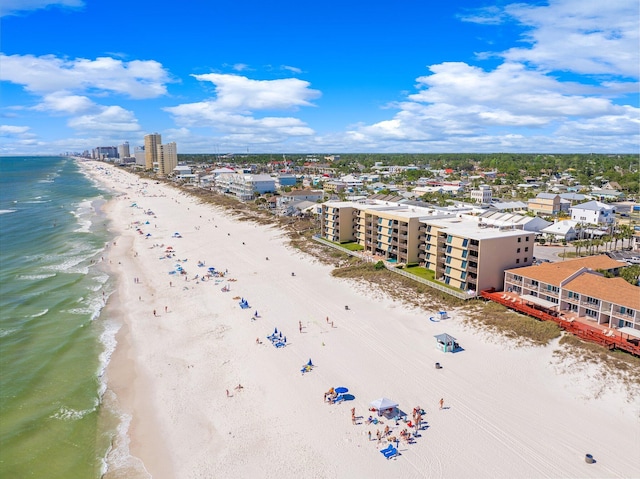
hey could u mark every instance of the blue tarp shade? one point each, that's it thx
(445, 342)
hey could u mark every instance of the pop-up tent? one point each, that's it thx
(383, 404)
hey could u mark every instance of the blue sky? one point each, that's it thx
(287, 76)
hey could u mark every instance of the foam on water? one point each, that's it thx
(4, 212)
(32, 277)
(41, 313)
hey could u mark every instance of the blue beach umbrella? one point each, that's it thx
(341, 390)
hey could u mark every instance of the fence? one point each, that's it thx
(359, 254)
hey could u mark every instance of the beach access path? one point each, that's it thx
(508, 411)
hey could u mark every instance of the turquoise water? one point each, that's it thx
(53, 344)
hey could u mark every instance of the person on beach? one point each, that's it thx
(378, 435)
(441, 403)
(166, 309)
(386, 430)
(300, 326)
(228, 395)
(353, 415)
(154, 314)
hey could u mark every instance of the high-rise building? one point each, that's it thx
(105, 152)
(123, 150)
(139, 154)
(167, 158)
(151, 143)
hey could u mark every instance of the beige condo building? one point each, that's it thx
(167, 156)
(151, 142)
(462, 252)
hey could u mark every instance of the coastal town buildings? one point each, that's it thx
(461, 250)
(245, 186)
(579, 286)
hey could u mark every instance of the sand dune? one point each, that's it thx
(509, 412)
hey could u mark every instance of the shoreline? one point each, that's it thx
(182, 362)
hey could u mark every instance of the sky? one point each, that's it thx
(409, 76)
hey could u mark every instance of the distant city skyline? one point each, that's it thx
(559, 76)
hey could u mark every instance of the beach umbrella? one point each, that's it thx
(148, 234)
(310, 363)
(275, 331)
(341, 390)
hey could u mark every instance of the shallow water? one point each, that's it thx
(53, 344)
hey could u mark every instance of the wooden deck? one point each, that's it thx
(584, 329)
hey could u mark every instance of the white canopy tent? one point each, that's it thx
(383, 404)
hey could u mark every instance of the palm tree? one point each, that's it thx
(626, 232)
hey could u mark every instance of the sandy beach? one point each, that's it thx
(185, 345)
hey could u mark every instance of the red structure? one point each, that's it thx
(610, 339)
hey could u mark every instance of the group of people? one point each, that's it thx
(330, 396)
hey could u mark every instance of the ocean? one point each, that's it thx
(54, 342)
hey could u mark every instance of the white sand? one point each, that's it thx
(509, 412)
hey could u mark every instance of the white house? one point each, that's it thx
(565, 229)
(594, 213)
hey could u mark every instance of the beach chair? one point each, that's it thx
(389, 451)
(279, 344)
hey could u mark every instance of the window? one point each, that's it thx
(526, 259)
(463, 265)
(448, 260)
(526, 238)
(449, 249)
(428, 247)
(463, 275)
(593, 301)
(464, 253)
(447, 270)
(449, 238)
(518, 249)
(465, 242)
(526, 249)
(534, 283)
(519, 240)
(591, 313)
(518, 261)
(428, 237)
(429, 229)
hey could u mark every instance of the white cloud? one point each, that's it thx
(520, 105)
(232, 112)
(13, 131)
(291, 69)
(234, 92)
(47, 74)
(592, 37)
(12, 7)
(110, 119)
(63, 102)
(465, 105)
(240, 67)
